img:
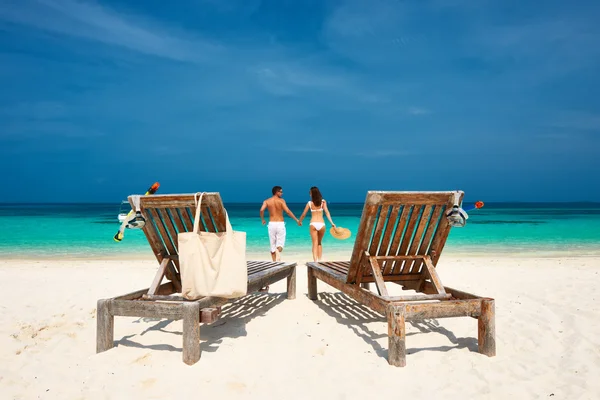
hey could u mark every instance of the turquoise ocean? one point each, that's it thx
(87, 230)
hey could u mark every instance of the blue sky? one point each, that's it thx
(498, 98)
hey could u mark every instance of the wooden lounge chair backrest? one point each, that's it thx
(168, 214)
(396, 230)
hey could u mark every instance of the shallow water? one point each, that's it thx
(87, 230)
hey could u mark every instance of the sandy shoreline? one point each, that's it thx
(547, 324)
(303, 256)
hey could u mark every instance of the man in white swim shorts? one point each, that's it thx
(276, 205)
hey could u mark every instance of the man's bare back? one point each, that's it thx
(276, 206)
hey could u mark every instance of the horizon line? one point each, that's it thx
(302, 202)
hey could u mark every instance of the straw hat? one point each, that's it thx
(340, 233)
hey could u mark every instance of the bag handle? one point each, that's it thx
(197, 215)
(228, 228)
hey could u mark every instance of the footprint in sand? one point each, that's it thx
(32, 335)
(143, 359)
(43, 328)
(236, 386)
(27, 331)
(148, 383)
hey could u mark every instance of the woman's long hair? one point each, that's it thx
(315, 196)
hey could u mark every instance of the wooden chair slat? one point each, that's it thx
(152, 235)
(191, 212)
(262, 263)
(363, 237)
(255, 269)
(389, 230)
(166, 221)
(217, 211)
(426, 243)
(423, 198)
(176, 200)
(388, 265)
(376, 272)
(253, 263)
(341, 264)
(160, 274)
(157, 245)
(382, 219)
(433, 276)
(441, 234)
(210, 227)
(168, 224)
(418, 236)
(168, 244)
(179, 223)
(336, 266)
(187, 221)
(408, 234)
(212, 208)
(395, 278)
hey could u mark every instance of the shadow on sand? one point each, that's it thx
(232, 323)
(356, 316)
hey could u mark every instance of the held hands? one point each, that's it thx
(264, 222)
(299, 222)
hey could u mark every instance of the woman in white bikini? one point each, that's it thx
(317, 224)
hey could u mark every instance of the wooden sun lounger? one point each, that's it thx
(400, 239)
(166, 215)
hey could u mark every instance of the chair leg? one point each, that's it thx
(105, 322)
(291, 285)
(486, 324)
(396, 335)
(312, 284)
(191, 333)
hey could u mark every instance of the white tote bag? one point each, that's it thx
(212, 264)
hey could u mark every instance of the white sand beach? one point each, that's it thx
(547, 327)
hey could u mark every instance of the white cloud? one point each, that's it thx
(91, 21)
(528, 50)
(572, 120)
(167, 150)
(25, 129)
(536, 50)
(384, 153)
(279, 71)
(369, 32)
(418, 111)
(303, 150)
(552, 136)
(293, 77)
(38, 110)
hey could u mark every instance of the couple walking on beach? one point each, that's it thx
(276, 205)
